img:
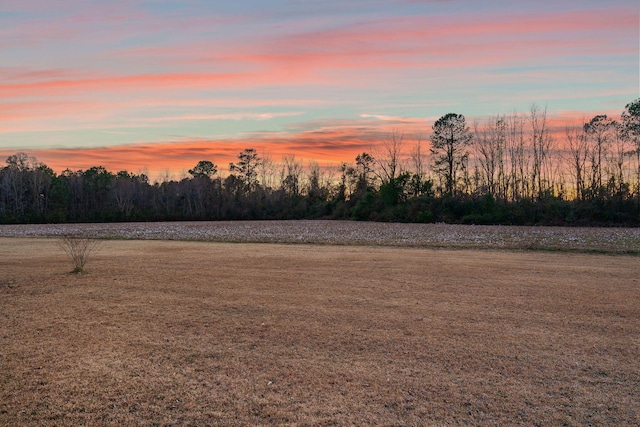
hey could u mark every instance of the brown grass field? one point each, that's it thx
(210, 333)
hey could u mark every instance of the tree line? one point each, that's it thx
(511, 169)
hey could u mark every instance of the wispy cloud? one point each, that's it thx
(117, 73)
(123, 83)
(229, 116)
(328, 142)
(394, 119)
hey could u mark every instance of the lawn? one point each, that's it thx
(159, 332)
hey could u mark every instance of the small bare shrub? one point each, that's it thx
(78, 248)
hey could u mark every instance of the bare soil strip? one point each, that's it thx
(574, 239)
(201, 333)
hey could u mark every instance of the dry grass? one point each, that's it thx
(195, 333)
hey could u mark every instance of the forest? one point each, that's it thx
(510, 169)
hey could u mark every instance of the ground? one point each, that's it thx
(162, 332)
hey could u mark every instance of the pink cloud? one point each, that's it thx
(126, 82)
(26, 110)
(351, 54)
(328, 142)
(420, 42)
(383, 52)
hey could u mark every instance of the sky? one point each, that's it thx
(158, 85)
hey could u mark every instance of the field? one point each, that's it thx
(337, 330)
(574, 239)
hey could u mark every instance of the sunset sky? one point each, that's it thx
(160, 84)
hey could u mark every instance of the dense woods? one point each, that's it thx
(510, 169)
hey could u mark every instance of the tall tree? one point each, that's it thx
(124, 192)
(619, 153)
(97, 181)
(490, 141)
(417, 155)
(541, 144)
(290, 175)
(24, 183)
(578, 152)
(364, 171)
(518, 158)
(449, 143)
(630, 130)
(267, 171)
(316, 188)
(247, 167)
(22, 162)
(204, 168)
(389, 157)
(599, 130)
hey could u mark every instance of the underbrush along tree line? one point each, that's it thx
(509, 170)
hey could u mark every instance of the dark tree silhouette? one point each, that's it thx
(630, 129)
(204, 168)
(510, 178)
(247, 167)
(599, 131)
(449, 141)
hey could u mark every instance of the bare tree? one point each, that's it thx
(490, 141)
(418, 162)
(124, 192)
(620, 150)
(418, 157)
(541, 142)
(78, 248)
(15, 181)
(266, 171)
(388, 159)
(290, 175)
(518, 157)
(163, 176)
(578, 152)
(316, 186)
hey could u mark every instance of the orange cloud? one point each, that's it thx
(348, 56)
(327, 143)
